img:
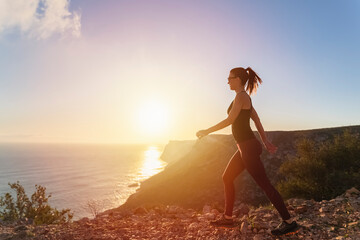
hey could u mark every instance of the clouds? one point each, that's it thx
(39, 19)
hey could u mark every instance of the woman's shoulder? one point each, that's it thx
(242, 96)
(244, 99)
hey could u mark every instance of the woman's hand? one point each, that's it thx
(270, 147)
(202, 133)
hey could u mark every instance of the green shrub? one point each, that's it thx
(36, 209)
(322, 170)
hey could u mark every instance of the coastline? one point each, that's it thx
(179, 201)
(77, 174)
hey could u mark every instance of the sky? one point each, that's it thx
(149, 71)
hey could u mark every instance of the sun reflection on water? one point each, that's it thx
(151, 164)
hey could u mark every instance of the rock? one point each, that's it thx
(339, 199)
(140, 210)
(210, 216)
(353, 224)
(206, 209)
(258, 237)
(172, 209)
(20, 235)
(268, 216)
(202, 232)
(6, 236)
(261, 225)
(158, 210)
(20, 228)
(250, 212)
(295, 201)
(273, 224)
(176, 150)
(83, 220)
(215, 211)
(152, 211)
(289, 207)
(352, 191)
(300, 209)
(133, 185)
(242, 210)
(193, 226)
(202, 219)
(322, 209)
(29, 221)
(244, 227)
(307, 225)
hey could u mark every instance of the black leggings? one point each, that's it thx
(248, 156)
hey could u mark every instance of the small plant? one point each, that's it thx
(36, 208)
(269, 206)
(250, 219)
(322, 170)
(93, 207)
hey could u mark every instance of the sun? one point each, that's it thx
(152, 117)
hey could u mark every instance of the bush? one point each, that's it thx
(322, 170)
(36, 209)
(94, 207)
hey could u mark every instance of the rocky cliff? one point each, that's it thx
(176, 150)
(194, 178)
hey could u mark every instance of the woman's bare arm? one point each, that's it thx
(234, 112)
(269, 146)
(254, 116)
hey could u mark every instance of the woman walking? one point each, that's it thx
(249, 149)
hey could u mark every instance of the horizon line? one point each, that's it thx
(132, 143)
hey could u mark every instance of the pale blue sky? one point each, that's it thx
(68, 84)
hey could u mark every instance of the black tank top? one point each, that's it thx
(241, 129)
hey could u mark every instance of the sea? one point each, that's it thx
(81, 177)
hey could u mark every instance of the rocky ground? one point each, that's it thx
(337, 218)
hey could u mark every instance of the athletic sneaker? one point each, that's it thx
(285, 228)
(223, 222)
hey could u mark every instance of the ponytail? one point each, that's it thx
(253, 81)
(248, 77)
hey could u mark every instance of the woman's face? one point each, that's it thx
(233, 81)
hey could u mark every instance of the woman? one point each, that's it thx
(249, 149)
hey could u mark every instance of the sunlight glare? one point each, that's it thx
(152, 117)
(152, 164)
